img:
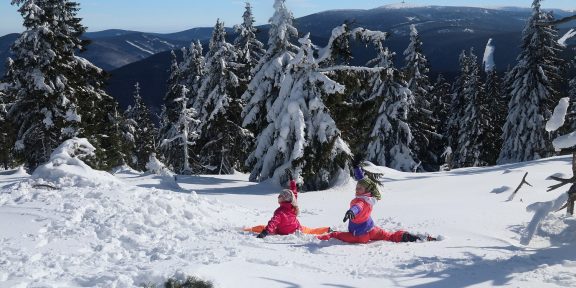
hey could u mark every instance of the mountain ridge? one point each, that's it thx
(445, 31)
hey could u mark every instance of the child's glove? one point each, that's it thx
(349, 215)
(262, 234)
(357, 160)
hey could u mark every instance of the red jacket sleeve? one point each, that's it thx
(294, 188)
(274, 221)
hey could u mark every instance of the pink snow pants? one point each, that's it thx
(375, 234)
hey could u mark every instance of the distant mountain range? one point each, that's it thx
(133, 56)
(112, 49)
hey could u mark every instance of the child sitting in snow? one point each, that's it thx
(361, 228)
(285, 219)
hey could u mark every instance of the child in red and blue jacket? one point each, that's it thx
(285, 220)
(361, 228)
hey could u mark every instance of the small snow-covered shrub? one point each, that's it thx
(66, 168)
(189, 282)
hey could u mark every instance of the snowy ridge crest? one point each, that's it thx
(401, 5)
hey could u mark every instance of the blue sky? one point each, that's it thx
(177, 15)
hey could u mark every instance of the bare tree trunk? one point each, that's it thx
(572, 191)
(519, 186)
(574, 164)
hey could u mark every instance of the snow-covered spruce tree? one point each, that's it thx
(532, 94)
(191, 71)
(457, 103)
(169, 153)
(572, 96)
(420, 117)
(349, 109)
(474, 121)
(177, 139)
(304, 137)
(56, 92)
(6, 133)
(390, 137)
(248, 47)
(356, 109)
(440, 104)
(496, 107)
(222, 140)
(103, 129)
(178, 122)
(141, 131)
(264, 87)
(440, 107)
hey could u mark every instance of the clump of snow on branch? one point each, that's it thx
(556, 121)
(169, 178)
(568, 35)
(66, 168)
(155, 166)
(488, 59)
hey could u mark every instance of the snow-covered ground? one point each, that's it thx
(130, 228)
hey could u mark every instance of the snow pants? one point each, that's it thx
(303, 229)
(375, 234)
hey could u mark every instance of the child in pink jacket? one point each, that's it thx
(285, 220)
(361, 228)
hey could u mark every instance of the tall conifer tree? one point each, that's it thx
(457, 102)
(532, 94)
(250, 50)
(420, 116)
(474, 121)
(390, 137)
(496, 107)
(142, 131)
(221, 137)
(265, 86)
(57, 95)
(177, 132)
(6, 133)
(304, 137)
(191, 72)
(440, 106)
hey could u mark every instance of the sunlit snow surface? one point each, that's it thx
(132, 228)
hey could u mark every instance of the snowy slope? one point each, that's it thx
(137, 228)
